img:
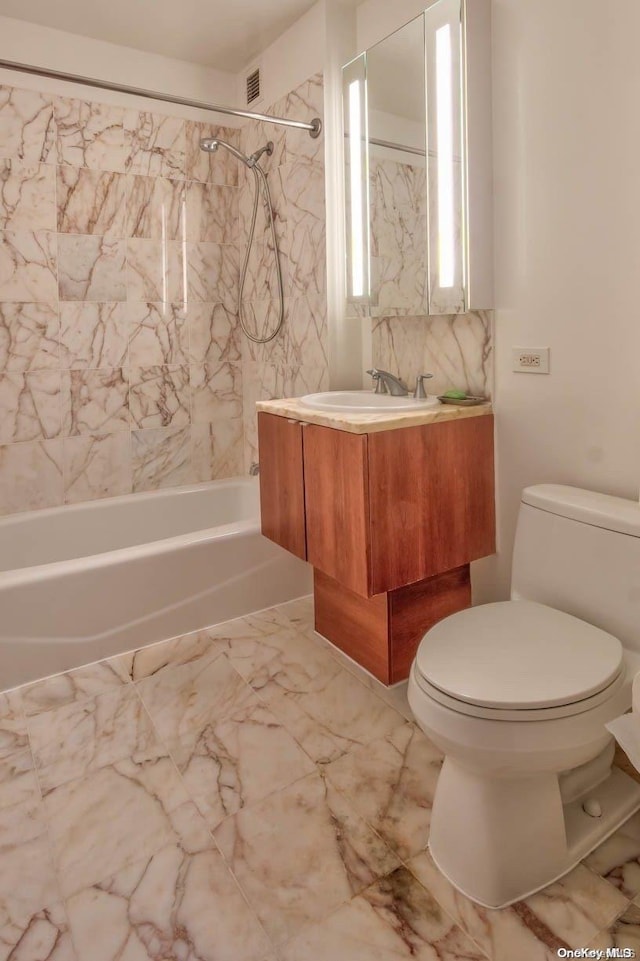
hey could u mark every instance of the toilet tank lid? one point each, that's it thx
(588, 507)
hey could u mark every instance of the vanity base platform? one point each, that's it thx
(382, 633)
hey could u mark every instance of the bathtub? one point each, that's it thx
(91, 580)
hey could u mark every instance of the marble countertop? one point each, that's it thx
(361, 423)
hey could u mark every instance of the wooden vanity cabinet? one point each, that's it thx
(389, 520)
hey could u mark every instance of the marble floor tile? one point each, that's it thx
(171, 904)
(391, 781)
(232, 763)
(576, 906)
(395, 696)
(329, 716)
(115, 816)
(184, 818)
(18, 781)
(83, 736)
(13, 725)
(300, 854)
(252, 641)
(27, 879)
(568, 914)
(393, 919)
(190, 696)
(77, 685)
(156, 658)
(299, 611)
(40, 936)
(618, 858)
(624, 933)
(298, 667)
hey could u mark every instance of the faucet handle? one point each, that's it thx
(419, 392)
(381, 387)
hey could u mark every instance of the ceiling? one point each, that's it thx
(225, 34)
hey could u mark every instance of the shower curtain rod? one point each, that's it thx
(405, 148)
(314, 126)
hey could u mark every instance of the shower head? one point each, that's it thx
(211, 144)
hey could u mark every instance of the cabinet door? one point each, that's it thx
(282, 482)
(432, 500)
(337, 505)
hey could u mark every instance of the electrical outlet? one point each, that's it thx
(531, 360)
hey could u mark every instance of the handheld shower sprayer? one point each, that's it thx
(211, 144)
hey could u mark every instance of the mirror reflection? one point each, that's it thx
(397, 171)
(405, 169)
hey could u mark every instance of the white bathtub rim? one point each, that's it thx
(162, 640)
(164, 493)
(41, 572)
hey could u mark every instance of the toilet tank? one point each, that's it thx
(579, 551)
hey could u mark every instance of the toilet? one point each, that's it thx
(516, 695)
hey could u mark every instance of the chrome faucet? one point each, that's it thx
(385, 381)
(419, 392)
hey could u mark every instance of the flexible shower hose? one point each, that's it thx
(258, 173)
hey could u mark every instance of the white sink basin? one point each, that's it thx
(365, 402)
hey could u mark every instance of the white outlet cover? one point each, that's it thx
(531, 360)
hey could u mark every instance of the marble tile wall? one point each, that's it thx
(120, 360)
(295, 362)
(456, 349)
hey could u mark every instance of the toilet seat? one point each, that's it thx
(518, 660)
(519, 714)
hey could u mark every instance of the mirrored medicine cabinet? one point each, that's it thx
(418, 166)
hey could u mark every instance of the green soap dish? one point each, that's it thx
(468, 401)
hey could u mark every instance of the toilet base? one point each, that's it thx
(499, 840)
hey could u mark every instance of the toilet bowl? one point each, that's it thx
(516, 694)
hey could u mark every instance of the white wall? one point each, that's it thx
(566, 81)
(31, 43)
(297, 54)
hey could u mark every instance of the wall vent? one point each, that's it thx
(253, 86)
